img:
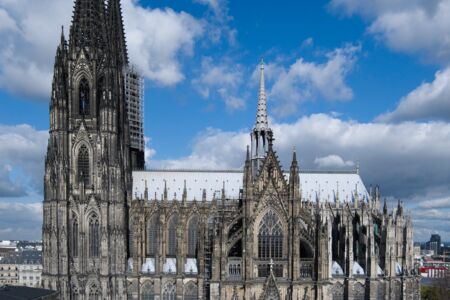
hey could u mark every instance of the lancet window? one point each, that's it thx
(152, 231)
(270, 237)
(83, 165)
(94, 236)
(192, 237)
(172, 235)
(74, 237)
(84, 97)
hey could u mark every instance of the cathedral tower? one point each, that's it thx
(87, 172)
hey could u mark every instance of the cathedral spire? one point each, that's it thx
(261, 135)
(261, 114)
(88, 24)
(117, 32)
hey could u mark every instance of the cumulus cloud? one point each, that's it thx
(409, 26)
(22, 150)
(396, 156)
(221, 80)
(19, 220)
(9, 188)
(157, 41)
(333, 161)
(428, 101)
(303, 80)
(436, 203)
(207, 154)
(157, 38)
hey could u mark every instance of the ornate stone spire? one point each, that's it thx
(88, 24)
(261, 135)
(261, 114)
(117, 32)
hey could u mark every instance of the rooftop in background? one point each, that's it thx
(26, 293)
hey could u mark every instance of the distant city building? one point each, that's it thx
(434, 244)
(134, 96)
(7, 247)
(22, 268)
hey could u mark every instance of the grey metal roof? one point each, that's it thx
(315, 184)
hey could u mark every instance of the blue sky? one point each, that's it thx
(347, 81)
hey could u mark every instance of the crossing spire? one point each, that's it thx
(261, 114)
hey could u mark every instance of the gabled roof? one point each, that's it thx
(321, 185)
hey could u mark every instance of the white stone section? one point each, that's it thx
(130, 265)
(190, 267)
(149, 265)
(357, 269)
(398, 269)
(170, 266)
(325, 186)
(336, 269)
(379, 271)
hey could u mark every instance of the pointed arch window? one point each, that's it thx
(84, 97)
(192, 237)
(270, 237)
(94, 293)
(94, 236)
(191, 291)
(148, 293)
(83, 165)
(74, 237)
(153, 231)
(169, 292)
(172, 235)
(131, 239)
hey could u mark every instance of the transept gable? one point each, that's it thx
(271, 174)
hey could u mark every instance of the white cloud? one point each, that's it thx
(22, 149)
(9, 188)
(436, 203)
(157, 41)
(221, 80)
(20, 221)
(406, 159)
(157, 38)
(148, 151)
(333, 161)
(409, 26)
(427, 101)
(303, 80)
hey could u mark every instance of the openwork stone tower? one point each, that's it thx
(87, 172)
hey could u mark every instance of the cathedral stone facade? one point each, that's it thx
(259, 233)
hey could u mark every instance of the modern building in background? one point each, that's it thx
(134, 96)
(434, 244)
(262, 232)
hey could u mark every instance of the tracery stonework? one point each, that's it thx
(261, 232)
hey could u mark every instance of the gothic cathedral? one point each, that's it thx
(114, 231)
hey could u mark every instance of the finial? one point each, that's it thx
(294, 154)
(184, 197)
(165, 190)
